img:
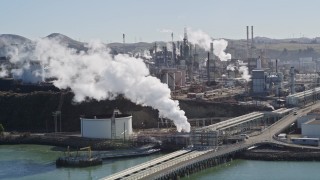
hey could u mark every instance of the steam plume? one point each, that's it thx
(96, 74)
(199, 37)
(243, 69)
(219, 46)
(3, 71)
(203, 40)
(231, 67)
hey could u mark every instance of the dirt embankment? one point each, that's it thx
(33, 111)
(64, 141)
(269, 153)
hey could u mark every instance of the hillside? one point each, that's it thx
(286, 49)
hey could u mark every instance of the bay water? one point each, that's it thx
(33, 162)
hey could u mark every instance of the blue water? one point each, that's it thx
(33, 162)
(261, 170)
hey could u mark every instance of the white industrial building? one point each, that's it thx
(303, 98)
(115, 126)
(304, 119)
(311, 129)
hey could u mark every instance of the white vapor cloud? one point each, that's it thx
(243, 69)
(231, 67)
(199, 37)
(219, 46)
(3, 71)
(96, 74)
(203, 40)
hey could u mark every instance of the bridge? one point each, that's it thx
(191, 160)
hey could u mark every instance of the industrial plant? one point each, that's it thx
(184, 83)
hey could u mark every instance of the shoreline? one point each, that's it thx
(274, 153)
(64, 141)
(263, 152)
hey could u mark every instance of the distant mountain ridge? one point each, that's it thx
(10, 39)
(288, 49)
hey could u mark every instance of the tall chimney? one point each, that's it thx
(252, 42)
(247, 41)
(211, 48)
(292, 79)
(208, 67)
(277, 66)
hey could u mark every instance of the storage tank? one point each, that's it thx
(101, 126)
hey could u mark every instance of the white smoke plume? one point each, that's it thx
(96, 74)
(269, 105)
(199, 37)
(203, 40)
(146, 54)
(3, 71)
(231, 67)
(169, 46)
(219, 46)
(244, 72)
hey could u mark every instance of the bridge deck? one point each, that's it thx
(145, 165)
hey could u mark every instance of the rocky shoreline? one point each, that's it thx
(269, 153)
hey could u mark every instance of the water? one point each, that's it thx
(33, 162)
(260, 170)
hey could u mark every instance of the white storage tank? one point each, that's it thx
(101, 126)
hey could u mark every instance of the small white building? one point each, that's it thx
(304, 119)
(114, 126)
(311, 129)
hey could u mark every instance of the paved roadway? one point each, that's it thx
(159, 167)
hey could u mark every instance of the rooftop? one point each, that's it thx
(313, 121)
(104, 116)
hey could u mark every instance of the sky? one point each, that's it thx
(147, 20)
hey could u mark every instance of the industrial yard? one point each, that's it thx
(205, 103)
(212, 88)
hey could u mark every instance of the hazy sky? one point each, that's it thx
(143, 20)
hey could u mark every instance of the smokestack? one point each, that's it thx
(185, 35)
(211, 48)
(208, 67)
(252, 42)
(277, 66)
(173, 59)
(172, 37)
(292, 78)
(247, 41)
(124, 38)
